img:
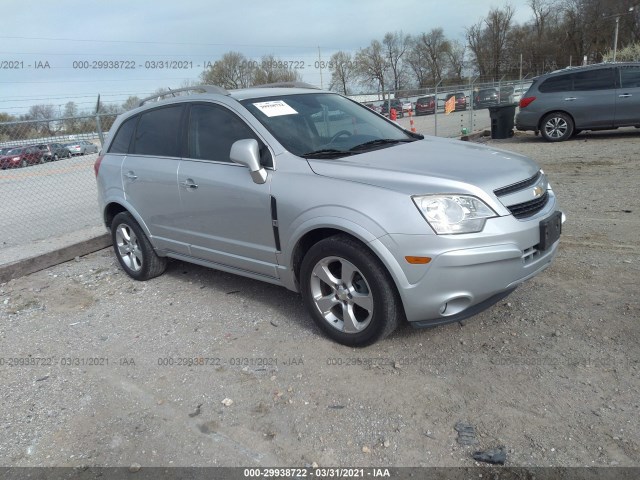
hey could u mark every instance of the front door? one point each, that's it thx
(225, 216)
(628, 96)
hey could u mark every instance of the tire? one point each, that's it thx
(55, 157)
(556, 127)
(364, 294)
(69, 154)
(24, 163)
(42, 160)
(133, 249)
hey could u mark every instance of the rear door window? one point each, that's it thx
(158, 132)
(601, 79)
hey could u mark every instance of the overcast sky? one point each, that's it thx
(55, 34)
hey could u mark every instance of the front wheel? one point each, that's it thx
(348, 292)
(133, 249)
(557, 127)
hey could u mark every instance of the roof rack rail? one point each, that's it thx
(286, 85)
(197, 88)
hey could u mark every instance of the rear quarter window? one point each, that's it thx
(559, 83)
(123, 136)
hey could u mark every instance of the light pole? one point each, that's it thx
(615, 36)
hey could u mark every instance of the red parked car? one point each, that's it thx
(426, 105)
(21, 157)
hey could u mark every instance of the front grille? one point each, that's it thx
(530, 208)
(518, 186)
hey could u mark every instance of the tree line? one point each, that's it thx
(560, 33)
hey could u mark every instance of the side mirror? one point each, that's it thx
(246, 152)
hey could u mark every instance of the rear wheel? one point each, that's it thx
(24, 163)
(556, 127)
(348, 292)
(133, 249)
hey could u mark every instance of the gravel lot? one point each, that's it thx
(551, 373)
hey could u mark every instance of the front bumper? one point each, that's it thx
(467, 273)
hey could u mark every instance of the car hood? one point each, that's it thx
(432, 165)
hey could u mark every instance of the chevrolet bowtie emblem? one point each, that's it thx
(538, 191)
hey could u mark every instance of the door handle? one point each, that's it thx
(188, 183)
(625, 95)
(570, 99)
(131, 176)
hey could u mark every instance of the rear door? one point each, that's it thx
(149, 174)
(224, 215)
(628, 96)
(592, 100)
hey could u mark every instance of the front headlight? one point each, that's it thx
(453, 213)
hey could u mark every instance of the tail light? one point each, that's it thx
(526, 101)
(96, 165)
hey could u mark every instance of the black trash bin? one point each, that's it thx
(502, 120)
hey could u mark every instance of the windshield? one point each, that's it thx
(326, 124)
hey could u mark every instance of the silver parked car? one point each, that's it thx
(561, 104)
(81, 147)
(304, 188)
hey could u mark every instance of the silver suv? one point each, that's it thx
(597, 97)
(304, 188)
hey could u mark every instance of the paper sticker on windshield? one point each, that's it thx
(275, 108)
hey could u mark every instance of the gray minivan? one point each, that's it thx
(561, 104)
(373, 224)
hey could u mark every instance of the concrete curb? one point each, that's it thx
(472, 137)
(28, 265)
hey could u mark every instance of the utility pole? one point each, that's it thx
(520, 78)
(615, 35)
(615, 38)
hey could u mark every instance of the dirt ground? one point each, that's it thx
(203, 368)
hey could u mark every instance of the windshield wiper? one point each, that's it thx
(378, 142)
(327, 153)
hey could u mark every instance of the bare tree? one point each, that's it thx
(416, 60)
(372, 66)
(343, 71)
(131, 103)
(271, 69)
(488, 40)
(70, 113)
(456, 55)
(436, 48)
(46, 116)
(233, 70)
(395, 46)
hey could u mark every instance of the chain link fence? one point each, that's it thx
(47, 184)
(471, 112)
